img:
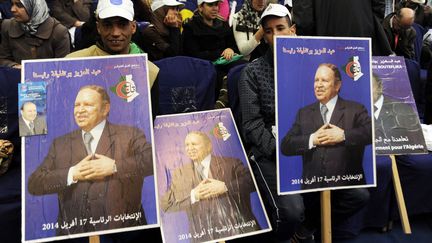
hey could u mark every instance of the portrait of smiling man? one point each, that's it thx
(97, 171)
(330, 134)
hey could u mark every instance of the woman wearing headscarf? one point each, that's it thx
(162, 38)
(31, 34)
(247, 30)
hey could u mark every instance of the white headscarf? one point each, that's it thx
(38, 12)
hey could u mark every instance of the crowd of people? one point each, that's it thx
(36, 29)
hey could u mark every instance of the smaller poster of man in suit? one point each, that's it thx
(210, 194)
(397, 125)
(30, 123)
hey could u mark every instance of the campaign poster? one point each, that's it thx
(323, 114)
(32, 108)
(397, 124)
(93, 172)
(204, 181)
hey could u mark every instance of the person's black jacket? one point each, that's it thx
(207, 42)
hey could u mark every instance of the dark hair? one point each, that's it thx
(101, 91)
(335, 70)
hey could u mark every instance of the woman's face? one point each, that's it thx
(209, 11)
(259, 5)
(19, 12)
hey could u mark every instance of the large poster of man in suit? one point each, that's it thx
(397, 125)
(206, 189)
(93, 171)
(324, 128)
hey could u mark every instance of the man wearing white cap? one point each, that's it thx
(115, 25)
(163, 38)
(292, 215)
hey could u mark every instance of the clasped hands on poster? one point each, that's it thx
(328, 134)
(209, 188)
(93, 167)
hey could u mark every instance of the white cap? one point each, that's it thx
(418, 1)
(115, 8)
(159, 3)
(274, 9)
(207, 1)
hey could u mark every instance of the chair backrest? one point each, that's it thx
(185, 84)
(233, 95)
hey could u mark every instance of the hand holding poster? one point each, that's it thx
(206, 188)
(93, 171)
(323, 114)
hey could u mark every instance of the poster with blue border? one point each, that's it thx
(397, 124)
(314, 154)
(32, 108)
(193, 208)
(77, 185)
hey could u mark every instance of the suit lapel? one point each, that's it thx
(215, 168)
(316, 113)
(106, 140)
(78, 148)
(338, 112)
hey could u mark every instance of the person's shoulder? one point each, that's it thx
(224, 159)
(124, 130)
(87, 52)
(351, 104)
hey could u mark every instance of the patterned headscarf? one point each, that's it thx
(248, 18)
(38, 12)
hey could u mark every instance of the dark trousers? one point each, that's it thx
(289, 213)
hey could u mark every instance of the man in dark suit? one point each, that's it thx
(396, 124)
(29, 122)
(330, 134)
(97, 171)
(214, 191)
(400, 33)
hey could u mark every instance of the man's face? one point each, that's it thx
(29, 111)
(196, 148)
(276, 26)
(259, 5)
(376, 89)
(116, 34)
(89, 109)
(325, 85)
(209, 11)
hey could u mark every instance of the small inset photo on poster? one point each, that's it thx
(205, 185)
(397, 124)
(32, 109)
(323, 114)
(93, 173)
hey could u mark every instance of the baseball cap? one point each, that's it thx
(207, 1)
(115, 8)
(159, 3)
(274, 9)
(418, 1)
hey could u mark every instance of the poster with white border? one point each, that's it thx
(73, 186)
(314, 154)
(207, 192)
